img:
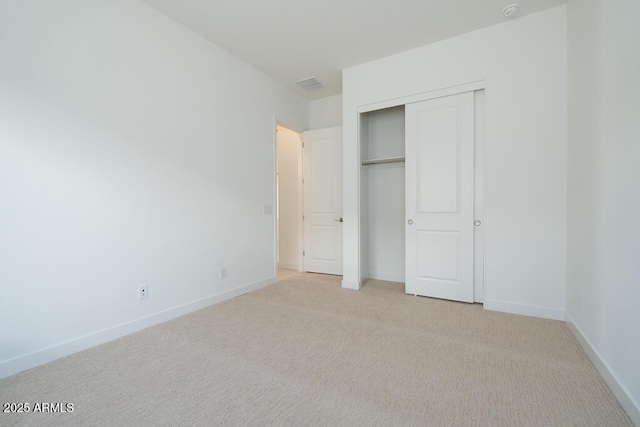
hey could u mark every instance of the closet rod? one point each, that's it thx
(381, 161)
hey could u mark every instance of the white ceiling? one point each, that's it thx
(294, 39)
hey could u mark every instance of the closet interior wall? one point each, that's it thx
(383, 195)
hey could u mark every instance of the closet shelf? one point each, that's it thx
(381, 161)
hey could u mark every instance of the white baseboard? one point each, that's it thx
(49, 354)
(390, 277)
(619, 390)
(526, 310)
(350, 284)
(288, 265)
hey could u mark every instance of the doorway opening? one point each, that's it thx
(288, 216)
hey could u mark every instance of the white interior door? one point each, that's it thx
(322, 171)
(439, 197)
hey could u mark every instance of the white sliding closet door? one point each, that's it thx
(439, 197)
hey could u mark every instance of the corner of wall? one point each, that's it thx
(353, 285)
(325, 112)
(619, 390)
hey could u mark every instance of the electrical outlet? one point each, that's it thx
(143, 292)
(223, 273)
(267, 210)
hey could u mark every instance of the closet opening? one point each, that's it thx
(383, 194)
(422, 195)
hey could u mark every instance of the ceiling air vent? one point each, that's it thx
(311, 83)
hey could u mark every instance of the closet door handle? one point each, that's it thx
(410, 222)
(339, 220)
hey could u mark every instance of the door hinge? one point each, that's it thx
(303, 180)
(303, 217)
(303, 254)
(302, 144)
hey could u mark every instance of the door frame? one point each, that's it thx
(480, 184)
(277, 122)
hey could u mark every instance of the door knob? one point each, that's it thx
(410, 222)
(477, 223)
(339, 220)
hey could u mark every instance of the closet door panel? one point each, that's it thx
(439, 197)
(438, 254)
(439, 160)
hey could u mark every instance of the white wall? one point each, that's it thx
(523, 63)
(325, 112)
(289, 197)
(132, 152)
(603, 288)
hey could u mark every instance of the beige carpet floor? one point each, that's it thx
(305, 352)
